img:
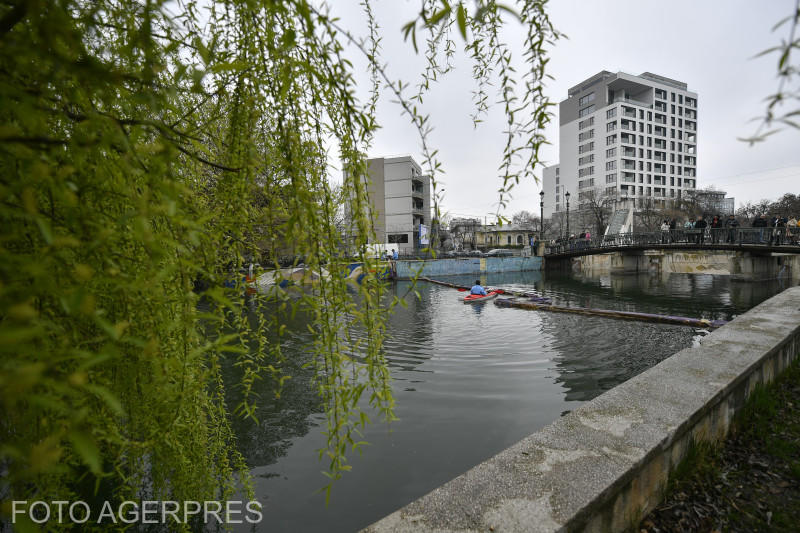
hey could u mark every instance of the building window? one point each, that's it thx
(611, 113)
(586, 135)
(398, 238)
(611, 126)
(611, 152)
(508, 239)
(611, 178)
(586, 110)
(586, 183)
(586, 123)
(585, 160)
(588, 171)
(611, 165)
(519, 239)
(588, 147)
(586, 99)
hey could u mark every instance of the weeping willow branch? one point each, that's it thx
(147, 150)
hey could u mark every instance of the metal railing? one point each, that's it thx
(783, 237)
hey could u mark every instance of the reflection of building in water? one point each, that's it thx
(283, 418)
(410, 328)
(280, 418)
(689, 295)
(596, 354)
(748, 294)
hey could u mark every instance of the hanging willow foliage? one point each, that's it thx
(149, 144)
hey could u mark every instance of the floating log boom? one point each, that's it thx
(524, 300)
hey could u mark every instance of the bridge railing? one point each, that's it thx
(681, 237)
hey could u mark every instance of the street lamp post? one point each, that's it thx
(541, 215)
(567, 197)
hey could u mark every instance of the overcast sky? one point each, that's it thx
(709, 45)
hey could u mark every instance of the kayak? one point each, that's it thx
(472, 298)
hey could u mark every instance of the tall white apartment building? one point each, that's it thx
(624, 137)
(400, 201)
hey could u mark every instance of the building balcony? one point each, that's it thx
(632, 101)
(629, 152)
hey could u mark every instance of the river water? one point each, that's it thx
(469, 381)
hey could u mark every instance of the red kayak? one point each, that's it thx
(471, 298)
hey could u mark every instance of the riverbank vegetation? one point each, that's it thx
(751, 481)
(149, 145)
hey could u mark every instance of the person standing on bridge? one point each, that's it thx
(700, 226)
(760, 222)
(716, 229)
(780, 229)
(664, 232)
(731, 224)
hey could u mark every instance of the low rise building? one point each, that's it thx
(494, 235)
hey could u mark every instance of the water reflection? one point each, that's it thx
(469, 381)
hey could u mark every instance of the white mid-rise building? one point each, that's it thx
(400, 201)
(624, 137)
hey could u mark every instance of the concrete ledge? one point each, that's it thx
(407, 269)
(605, 465)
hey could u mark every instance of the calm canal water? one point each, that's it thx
(469, 381)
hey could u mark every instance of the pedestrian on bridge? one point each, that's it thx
(760, 222)
(792, 230)
(716, 229)
(688, 226)
(731, 224)
(779, 231)
(700, 226)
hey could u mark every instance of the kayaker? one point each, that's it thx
(477, 289)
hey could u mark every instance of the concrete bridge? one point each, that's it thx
(664, 254)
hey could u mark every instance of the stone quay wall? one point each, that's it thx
(605, 465)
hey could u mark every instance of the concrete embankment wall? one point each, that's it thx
(603, 466)
(743, 266)
(468, 265)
